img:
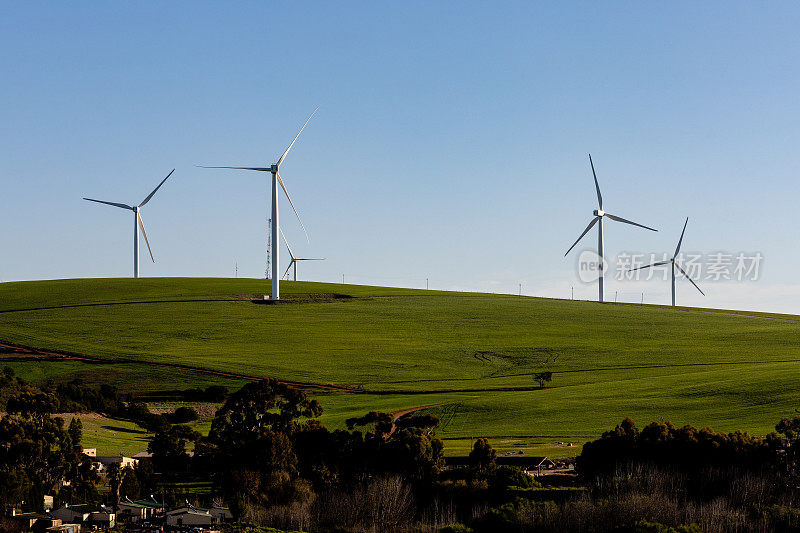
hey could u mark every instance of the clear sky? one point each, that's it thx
(451, 142)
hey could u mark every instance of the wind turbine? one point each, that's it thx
(295, 260)
(137, 224)
(599, 214)
(276, 179)
(674, 266)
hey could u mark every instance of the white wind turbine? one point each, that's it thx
(276, 179)
(295, 260)
(137, 224)
(599, 214)
(674, 265)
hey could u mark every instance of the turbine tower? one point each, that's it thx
(674, 265)
(276, 180)
(599, 214)
(137, 224)
(295, 260)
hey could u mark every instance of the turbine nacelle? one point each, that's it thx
(599, 212)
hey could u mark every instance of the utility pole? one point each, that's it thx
(269, 248)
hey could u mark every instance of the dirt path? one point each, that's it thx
(403, 412)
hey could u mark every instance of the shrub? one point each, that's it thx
(183, 415)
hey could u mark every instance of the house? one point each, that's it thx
(101, 463)
(103, 519)
(130, 511)
(75, 514)
(137, 510)
(151, 502)
(190, 516)
(90, 452)
(30, 522)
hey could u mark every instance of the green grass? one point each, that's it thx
(110, 436)
(458, 353)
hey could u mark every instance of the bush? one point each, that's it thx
(654, 527)
(511, 476)
(683, 449)
(183, 415)
(455, 528)
(213, 393)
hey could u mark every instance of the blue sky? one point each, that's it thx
(450, 144)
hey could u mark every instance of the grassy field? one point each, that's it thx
(110, 436)
(466, 357)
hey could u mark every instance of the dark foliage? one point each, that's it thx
(542, 378)
(169, 448)
(212, 393)
(183, 415)
(482, 459)
(37, 452)
(683, 449)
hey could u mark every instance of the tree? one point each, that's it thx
(406, 446)
(145, 476)
(14, 488)
(75, 431)
(115, 475)
(542, 378)
(183, 415)
(168, 447)
(32, 404)
(482, 459)
(130, 483)
(36, 444)
(686, 449)
(250, 450)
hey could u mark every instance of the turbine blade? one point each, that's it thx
(690, 279)
(592, 223)
(678, 248)
(287, 269)
(141, 227)
(309, 259)
(283, 156)
(124, 206)
(650, 265)
(596, 185)
(292, 204)
(287, 245)
(261, 169)
(154, 190)
(620, 219)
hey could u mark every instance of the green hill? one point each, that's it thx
(468, 357)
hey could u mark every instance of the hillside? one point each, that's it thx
(467, 357)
